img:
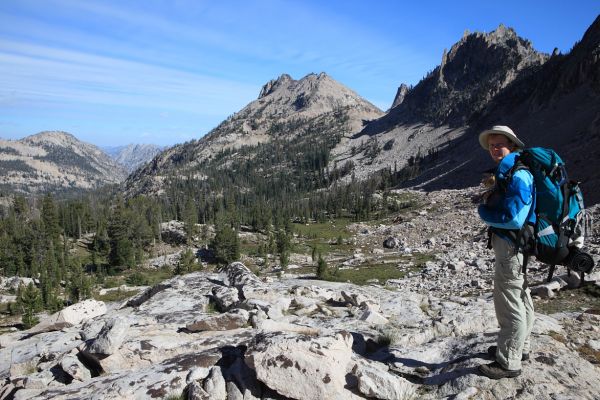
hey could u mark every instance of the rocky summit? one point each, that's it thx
(231, 334)
(286, 110)
(55, 161)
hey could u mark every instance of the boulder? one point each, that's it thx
(110, 338)
(114, 363)
(7, 298)
(221, 322)
(214, 384)
(173, 232)
(196, 392)
(225, 297)
(375, 381)
(13, 282)
(457, 265)
(355, 299)
(546, 290)
(197, 374)
(391, 243)
(91, 328)
(301, 367)
(71, 316)
(237, 274)
(373, 317)
(74, 368)
(572, 279)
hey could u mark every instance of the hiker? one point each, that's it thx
(506, 211)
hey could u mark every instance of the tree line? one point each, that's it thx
(263, 187)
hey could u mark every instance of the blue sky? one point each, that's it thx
(164, 72)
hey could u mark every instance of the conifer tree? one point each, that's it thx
(226, 243)
(79, 285)
(186, 263)
(322, 268)
(283, 247)
(190, 218)
(29, 302)
(121, 249)
(50, 222)
(20, 206)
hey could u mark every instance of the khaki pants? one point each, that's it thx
(514, 308)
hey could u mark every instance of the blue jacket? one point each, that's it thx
(512, 207)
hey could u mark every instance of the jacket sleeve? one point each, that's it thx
(513, 208)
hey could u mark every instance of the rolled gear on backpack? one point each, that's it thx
(579, 261)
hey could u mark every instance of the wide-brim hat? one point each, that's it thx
(500, 130)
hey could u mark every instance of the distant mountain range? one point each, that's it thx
(315, 128)
(483, 80)
(132, 156)
(55, 161)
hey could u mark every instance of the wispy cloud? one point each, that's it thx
(175, 68)
(42, 73)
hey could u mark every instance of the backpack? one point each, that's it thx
(561, 219)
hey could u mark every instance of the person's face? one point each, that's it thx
(499, 147)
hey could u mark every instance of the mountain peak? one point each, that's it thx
(590, 42)
(55, 137)
(274, 84)
(312, 94)
(403, 89)
(309, 82)
(308, 110)
(475, 69)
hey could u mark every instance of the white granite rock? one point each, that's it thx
(221, 322)
(110, 337)
(214, 385)
(301, 367)
(546, 290)
(70, 316)
(225, 297)
(374, 381)
(72, 366)
(373, 317)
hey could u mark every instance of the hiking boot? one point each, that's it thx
(496, 371)
(492, 353)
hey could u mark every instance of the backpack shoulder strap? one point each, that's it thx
(519, 165)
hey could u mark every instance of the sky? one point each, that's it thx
(114, 72)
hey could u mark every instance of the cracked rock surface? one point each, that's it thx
(233, 335)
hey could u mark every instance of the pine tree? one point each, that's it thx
(283, 247)
(187, 262)
(79, 285)
(121, 248)
(226, 243)
(50, 222)
(322, 268)
(29, 302)
(190, 218)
